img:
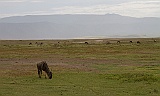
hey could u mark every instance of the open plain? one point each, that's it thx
(81, 67)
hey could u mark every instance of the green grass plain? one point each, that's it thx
(79, 69)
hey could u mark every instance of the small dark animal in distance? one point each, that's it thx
(118, 41)
(131, 41)
(39, 44)
(138, 42)
(30, 43)
(86, 43)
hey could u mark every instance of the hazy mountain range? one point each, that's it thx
(75, 26)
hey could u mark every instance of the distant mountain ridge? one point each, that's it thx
(73, 26)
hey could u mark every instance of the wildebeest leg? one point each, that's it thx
(39, 73)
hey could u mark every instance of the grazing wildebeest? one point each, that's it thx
(39, 43)
(30, 43)
(86, 43)
(43, 66)
(131, 41)
(118, 41)
(138, 42)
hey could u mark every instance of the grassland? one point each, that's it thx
(95, 69)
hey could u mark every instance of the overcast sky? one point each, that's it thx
(134, 8)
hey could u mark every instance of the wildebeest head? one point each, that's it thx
(50, 75)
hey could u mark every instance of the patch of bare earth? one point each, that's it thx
(27, 66)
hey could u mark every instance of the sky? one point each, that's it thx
(133, 8)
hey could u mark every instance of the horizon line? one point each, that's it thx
(76, 14)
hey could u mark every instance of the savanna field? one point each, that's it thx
(81, 67)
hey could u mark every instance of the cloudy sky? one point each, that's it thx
(134, 8)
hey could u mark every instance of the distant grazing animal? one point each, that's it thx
(86, 43)
(138, 42)
(30, 43)
(43, 66)
(39, 43)
(118, 41)
(155, 41)
(131, 41)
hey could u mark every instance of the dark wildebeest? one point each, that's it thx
(131, 41)
(118, 41)
(43, 66)
(39, 44)
(30, 43)
(86, 42)
(138, 42)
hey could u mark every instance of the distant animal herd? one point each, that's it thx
(107, 42)
(37, 43)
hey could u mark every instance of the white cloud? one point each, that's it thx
(135, 9)
(37, 1)
(12, 1)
